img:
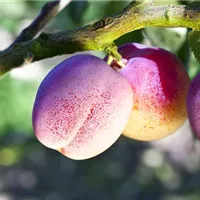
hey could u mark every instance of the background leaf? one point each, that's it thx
(194, 41)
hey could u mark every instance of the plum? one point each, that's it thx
(193, 105)
(160, 84)
(81, 107)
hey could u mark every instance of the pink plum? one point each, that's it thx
(82, 106)
(160, 84)
(193, 105)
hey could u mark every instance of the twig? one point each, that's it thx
(48, 11)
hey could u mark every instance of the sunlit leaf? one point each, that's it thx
(170, 39)
(194, 41)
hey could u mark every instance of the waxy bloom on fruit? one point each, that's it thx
(160, 84)
(82, 107)
(193, 105)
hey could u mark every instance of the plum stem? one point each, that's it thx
(110, 59)
(112, 50)
(97, 36)
(121, 64)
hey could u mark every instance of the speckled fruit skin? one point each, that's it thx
(81, 107)
(193, 105)
(160, 84)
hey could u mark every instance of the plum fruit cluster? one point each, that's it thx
(83, 105)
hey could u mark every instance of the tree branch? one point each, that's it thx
(100, 35)
(48, 11)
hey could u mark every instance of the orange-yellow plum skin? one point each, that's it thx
(81, 107)
(160, 84)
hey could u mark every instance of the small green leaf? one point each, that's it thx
(169, 39)
(194, 41)
(144, 2)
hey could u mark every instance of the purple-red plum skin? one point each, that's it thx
(193, 105)
(160, 84)
(81, 107)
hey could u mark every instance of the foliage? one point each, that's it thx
(194, 41)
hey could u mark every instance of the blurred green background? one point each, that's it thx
(168, 169)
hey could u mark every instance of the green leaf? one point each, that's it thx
(144, 2)
(98, 9)
(135, 36)
(172, 2)
(194, 42)
(169, 39)
(76, 9)
(16, 104)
